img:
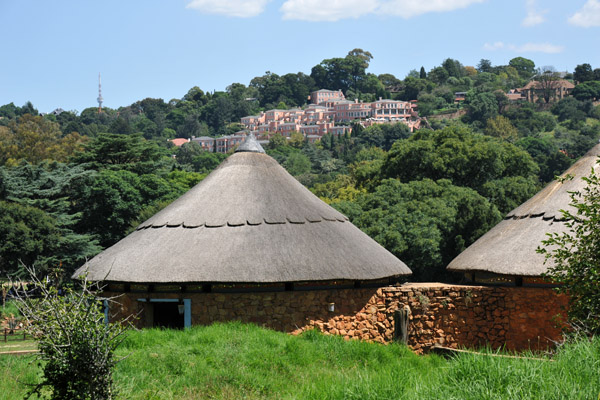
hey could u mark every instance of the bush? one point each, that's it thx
(76, 345)
(575, 255)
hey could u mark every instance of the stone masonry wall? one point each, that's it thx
(450, 315)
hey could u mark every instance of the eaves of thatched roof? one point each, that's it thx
(248, 221)
(510, 247)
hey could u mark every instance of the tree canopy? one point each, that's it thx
(88, 178)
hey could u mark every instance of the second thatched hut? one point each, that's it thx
(507, 253)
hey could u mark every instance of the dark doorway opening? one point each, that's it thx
(166, 315)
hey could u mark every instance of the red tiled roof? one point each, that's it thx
(179, 141)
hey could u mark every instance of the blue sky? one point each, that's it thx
(52, 51)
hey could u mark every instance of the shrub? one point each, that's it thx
(76, 344)
(575, 255)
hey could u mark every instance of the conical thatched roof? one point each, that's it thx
(510, 247)
(248, 221)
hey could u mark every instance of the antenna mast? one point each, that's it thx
(100, 99)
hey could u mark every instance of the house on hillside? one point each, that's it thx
(555, 90)
(332, 115)
(321, 96)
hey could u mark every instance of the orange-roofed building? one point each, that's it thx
(178, 142)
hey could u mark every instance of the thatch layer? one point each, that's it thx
(548, 202)
(248, 221)
(510, 247)
(246, 189)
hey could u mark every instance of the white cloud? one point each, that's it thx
(412, 8)
(534, 16)
(334, 10)
(525, 48)
(230, 8)
(493, 46)
(331, 10)
(588, 16)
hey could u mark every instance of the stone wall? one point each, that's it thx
(450, 315)
(452, 115)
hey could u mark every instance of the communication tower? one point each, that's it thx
(100, 99)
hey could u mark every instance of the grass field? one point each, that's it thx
(8, 309)
(238, 361)
(17, 344)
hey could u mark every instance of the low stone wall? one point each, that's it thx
(450, 315)
(452, 115)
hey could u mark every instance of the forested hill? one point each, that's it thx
(73, 183)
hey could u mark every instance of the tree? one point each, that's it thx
(8, 111)
(528, 121)
(466, 159)
(358, 60)
(524, 66)
(28, 236)
(108, 202)
(422, 73)
(481, 105)
(389, 80)
(342, 73)
(546, 154)
(35, 139)
(587, 91)
(412, 87)
(276, 140)
(569, 108)
(297, 164)
(296, 140)
(196, 95)
(576, 265)
(76, 345)
(501, 127)
(114, 151)
(484, 65)
(453, 67)
(207, 161)
(120, 126)
(47, 188)
(272, 89)
(428, 103)
(218, 112)
(186, 153)
(424, 223)
(548, 81)
(438, 75)
(300, 85)
(583, 73)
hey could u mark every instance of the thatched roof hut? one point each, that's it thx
(249, 221)
(509, 249)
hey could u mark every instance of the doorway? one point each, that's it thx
(166, 315)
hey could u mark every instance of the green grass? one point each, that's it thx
(239, 361)
(8, 309)
(16, 343)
